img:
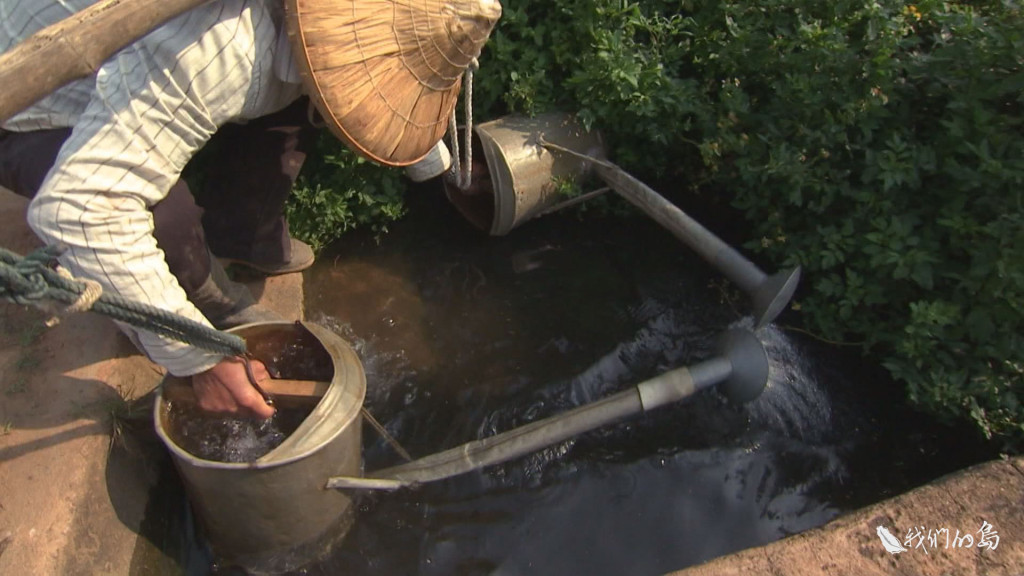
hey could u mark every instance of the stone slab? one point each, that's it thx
(992, 492)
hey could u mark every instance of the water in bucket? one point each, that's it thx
(226, 439)
(223, 439)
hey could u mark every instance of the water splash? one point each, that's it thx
(794, 402)
(665, 339)
(385, 371)
(391, 389)
(225, 439)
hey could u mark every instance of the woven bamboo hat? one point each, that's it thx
(385, 74)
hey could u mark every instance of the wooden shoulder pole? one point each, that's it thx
(76, 47)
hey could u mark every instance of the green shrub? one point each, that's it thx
(877, 143)
(338, 191)
(896, 181)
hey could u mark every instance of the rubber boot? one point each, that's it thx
(227, 303)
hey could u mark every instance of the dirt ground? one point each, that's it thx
(75, 487)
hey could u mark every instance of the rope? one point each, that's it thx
(463, 177)
(455, 174)
(34, 280)
(468, 105)
(88, 297)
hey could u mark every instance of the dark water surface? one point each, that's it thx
(463, 336)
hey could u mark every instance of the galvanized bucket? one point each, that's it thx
(276, 514)
(524, 175)
(527, 156)
(288, 508)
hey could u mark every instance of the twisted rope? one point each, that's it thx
(92, 292)
(463, 177)
(35, 280)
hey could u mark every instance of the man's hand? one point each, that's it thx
(225, 389)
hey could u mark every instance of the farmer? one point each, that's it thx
(102, 158)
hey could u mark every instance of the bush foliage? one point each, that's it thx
(338, 191)
(877, 143)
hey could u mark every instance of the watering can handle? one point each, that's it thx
(770, 294)
(290, 392)
(545, 143)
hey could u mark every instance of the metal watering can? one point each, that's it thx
(274, 515)
(291, 506)
(525, 158)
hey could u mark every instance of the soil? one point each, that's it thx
(76, 483)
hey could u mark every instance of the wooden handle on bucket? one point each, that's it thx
(285, 392)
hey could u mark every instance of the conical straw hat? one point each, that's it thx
(385, 74)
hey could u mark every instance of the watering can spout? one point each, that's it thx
(741, 367)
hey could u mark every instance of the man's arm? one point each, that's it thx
(154, 105)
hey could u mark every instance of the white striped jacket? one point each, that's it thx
(136, 123)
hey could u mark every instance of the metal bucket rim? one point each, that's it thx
(508, 144)
(198, 462)
(502, 179)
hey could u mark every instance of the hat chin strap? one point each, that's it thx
(461, 173)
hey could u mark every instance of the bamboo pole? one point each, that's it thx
(76, 47)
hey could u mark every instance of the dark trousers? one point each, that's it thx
(247, 173)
